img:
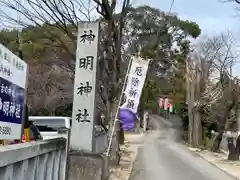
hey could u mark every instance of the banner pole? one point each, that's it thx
(119, 104)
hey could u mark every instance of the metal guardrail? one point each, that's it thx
(47, 160)
(43, 160)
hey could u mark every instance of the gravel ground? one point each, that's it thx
(129, 152)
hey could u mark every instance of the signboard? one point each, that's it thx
(135, 82)
(13, 75)
(84, 87)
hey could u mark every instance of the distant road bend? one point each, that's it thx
(161, 157)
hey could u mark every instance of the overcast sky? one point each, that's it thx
(212, 15)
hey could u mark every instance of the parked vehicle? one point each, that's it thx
(51, 126)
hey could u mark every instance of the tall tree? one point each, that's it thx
(163, 38)
(158, 36)
(215, 59)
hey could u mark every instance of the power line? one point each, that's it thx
(167, 17)
(237, 1)
(171, 6)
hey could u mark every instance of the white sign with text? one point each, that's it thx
(135, 83)
(84, 87)
(13, 77)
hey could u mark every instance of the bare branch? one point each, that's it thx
(215, 60)
(237, 1)
(62, 15)
(49, 87)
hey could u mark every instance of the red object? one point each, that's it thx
(22, 140)
(31, 138)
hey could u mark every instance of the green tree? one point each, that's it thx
(154, 34)
(46, 88)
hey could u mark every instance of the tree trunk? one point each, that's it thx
(216, 143)
(238, 147)
(197, 136)
(232, 155)
(190, 114)
(52, 112)
(118, 127)
(197, 124)
(222, 120)
(190, 104)
(117, 136)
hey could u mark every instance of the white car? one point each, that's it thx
(52, 126)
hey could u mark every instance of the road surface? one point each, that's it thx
(162, 157)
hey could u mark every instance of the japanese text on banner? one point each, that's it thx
(135, 82)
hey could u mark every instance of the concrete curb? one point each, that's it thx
(217, 166)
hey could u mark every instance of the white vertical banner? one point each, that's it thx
(166, 104)
(170, 105)
(170, 108)
(135, 83)
(160, 103)
(84, 87)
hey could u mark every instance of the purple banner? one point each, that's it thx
(127, 118)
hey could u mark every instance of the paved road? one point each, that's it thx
(162, 157)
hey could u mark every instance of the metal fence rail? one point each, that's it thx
(43, 160)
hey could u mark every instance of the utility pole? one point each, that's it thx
(189, 102)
